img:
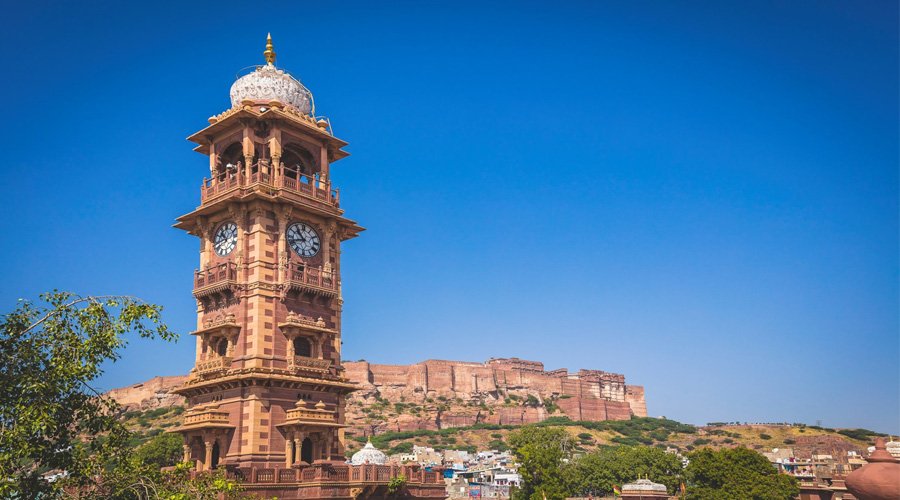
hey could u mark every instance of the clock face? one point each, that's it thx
(303, 239)
(226, 238)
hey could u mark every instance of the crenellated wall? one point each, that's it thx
(492, 392)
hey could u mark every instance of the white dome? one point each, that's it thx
(369, 455)
(644, 485)
(269, 83)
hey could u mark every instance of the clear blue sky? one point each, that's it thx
(702, 196)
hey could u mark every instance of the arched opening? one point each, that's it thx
(306, 451)
(230, 160)
(222, 347)
(302, 347)
(298, 164)
(215, 456)
(198, 451)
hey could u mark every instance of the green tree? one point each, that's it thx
(736, 473)
(51, 418)
(596, 473)
(540, 452)
(164, 450)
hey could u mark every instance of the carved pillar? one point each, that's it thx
(207, 463)
(248, 150)
(186, 451)
(323, 164)
(214, 160)
(330, 228)
(329, 439)
(290, 447)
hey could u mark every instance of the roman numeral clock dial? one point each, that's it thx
(225, 239)
(303, 239)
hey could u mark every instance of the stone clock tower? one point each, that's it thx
(267, 389)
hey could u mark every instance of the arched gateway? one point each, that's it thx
(266, 394)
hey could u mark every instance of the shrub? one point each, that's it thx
(789, 441)
(701, 442)
(765, 436)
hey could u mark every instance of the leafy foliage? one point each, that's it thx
(540, 452)
(596, 473)
(737, 473)
(163, 450)
(860, 434)
(395, 485)
(51, 419)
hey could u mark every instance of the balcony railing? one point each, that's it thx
(265, 175)
(308, 415)
(337, 473)
(206, 417)
(214, 275)
(314, 364)
(313, 279)
(217, 364)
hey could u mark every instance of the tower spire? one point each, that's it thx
(270, 51)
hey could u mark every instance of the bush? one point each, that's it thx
(789, 441)
(404, 447)
(584, 436)
(498, 445)
(765, 436)
(701, 442)
(163, 450)
(859, 434)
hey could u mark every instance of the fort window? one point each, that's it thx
(302, 347)
(298, 163)
(222, 347)
(229, 160)
(306, 452)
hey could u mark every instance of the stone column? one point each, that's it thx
(290, 447)
(298, 445)
(186, 450)
(329, 438)
(207, 463)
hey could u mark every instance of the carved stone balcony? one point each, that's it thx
(317, 416)
(216, 365)
(304, 323)
(216, 279)
(205, 417)
(262, 176)
(303, 363)
(308, 279)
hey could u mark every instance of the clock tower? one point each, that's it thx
(267, 388)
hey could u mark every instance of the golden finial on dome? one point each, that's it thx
(270, 50)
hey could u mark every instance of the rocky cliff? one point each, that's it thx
(440, 394)
(437, 394)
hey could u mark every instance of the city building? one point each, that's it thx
(266, 396)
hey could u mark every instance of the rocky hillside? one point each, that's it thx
(437, 394)
(401, 414)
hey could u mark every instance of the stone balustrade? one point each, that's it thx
(335, 473)
(306, 415)
(205, 417)
(262, 175)
(214, 275)
(314, 364)
(217, 364)
(312, 279)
